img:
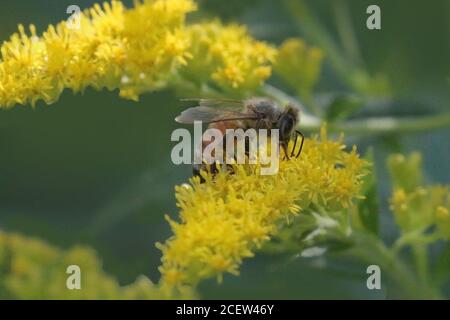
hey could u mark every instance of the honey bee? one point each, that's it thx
(255, 113)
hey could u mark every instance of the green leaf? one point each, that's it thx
(368, 208)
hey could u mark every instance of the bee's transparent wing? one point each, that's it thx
(208, 115)
(218, 103)
(215, 110)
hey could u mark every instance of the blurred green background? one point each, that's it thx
(95, 169)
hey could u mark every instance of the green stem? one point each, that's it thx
(346, 31)
(308, 23)
(385, 125)
(371, 250)
(417, 236)
(350, 70)
(367, 126)
(421, 259)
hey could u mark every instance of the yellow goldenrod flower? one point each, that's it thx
(134, 50)
(32, 269)
(399, 205)
(443, 218)
(406, 172)
(227, 56)
(416, 207)
(299, 65)
(442, 213)
(223, 220)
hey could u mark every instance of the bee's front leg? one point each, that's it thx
(211, 168)
(284, 145)
(196, 168)
(301, 143)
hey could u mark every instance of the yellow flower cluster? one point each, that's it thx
(226, 218)
(415, 206)
(107, 46)
(134, 50)
(32, 269)
(228, 56)
(299, 65)
(422, 207)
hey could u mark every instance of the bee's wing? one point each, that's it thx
(218, 103)
(208, 115)
(215, 110)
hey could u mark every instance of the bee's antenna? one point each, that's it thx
(301, 144)
(295, 144)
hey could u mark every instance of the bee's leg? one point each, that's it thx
(301, 143)
(213, 169)
(295, 144)
(285, 149)
(225, 155)
(246, 152)
(196, 168)
(247, 147)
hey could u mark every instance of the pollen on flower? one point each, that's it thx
(226, 218)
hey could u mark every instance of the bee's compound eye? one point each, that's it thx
(286, 127)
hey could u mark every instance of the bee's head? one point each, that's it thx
(286, 122)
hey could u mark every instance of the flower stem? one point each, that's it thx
(346, 31)
(366, 126)
(385, 125)
(421, 258)
(371, 250)
(308, 23)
